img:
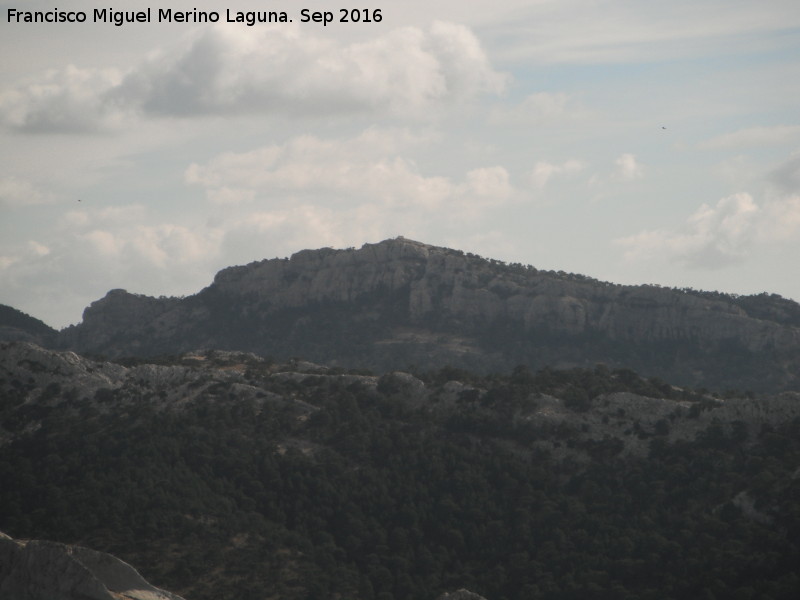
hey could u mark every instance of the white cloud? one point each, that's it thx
(269, 70)
(285, 229)
(311, 191)
(104, 243)
(628, 169)
(86, 254)
(720, 235)
(462, 61)
(30, 251)
(713, 237)
(124, 238)
(20, 192)
(490, 182)
(543, 171)
(7, 261)
(367, 168)
(168, 245)
(38, 249)
(145, 246)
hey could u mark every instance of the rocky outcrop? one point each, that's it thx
(36, 382)
(399, 302)
(37, 385)
(461, 594)
(108, 322)
(41, 570)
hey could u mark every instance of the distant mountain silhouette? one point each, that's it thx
(15, 325)
(401, 303)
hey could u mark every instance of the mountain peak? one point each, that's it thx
(399, 302)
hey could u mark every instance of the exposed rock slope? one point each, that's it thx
(37, 384)
(400, 302)
(41, 570)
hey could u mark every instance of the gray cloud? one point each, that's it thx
(408, 72)
(787, 176)
(72, 100)
(405, 72)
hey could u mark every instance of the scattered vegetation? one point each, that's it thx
(355, 490)
(11, 317)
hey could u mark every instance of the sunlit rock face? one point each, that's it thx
(399, 302)
(41, 570)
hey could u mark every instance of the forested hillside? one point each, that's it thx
(227, 476)
(16, 325)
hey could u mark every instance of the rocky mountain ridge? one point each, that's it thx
(400, 302)
(35, 382)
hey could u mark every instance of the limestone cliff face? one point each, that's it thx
(41, 570)
(398, 302)
(469, 289)
(329, 275)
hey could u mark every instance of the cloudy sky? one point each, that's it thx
(632, 141)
